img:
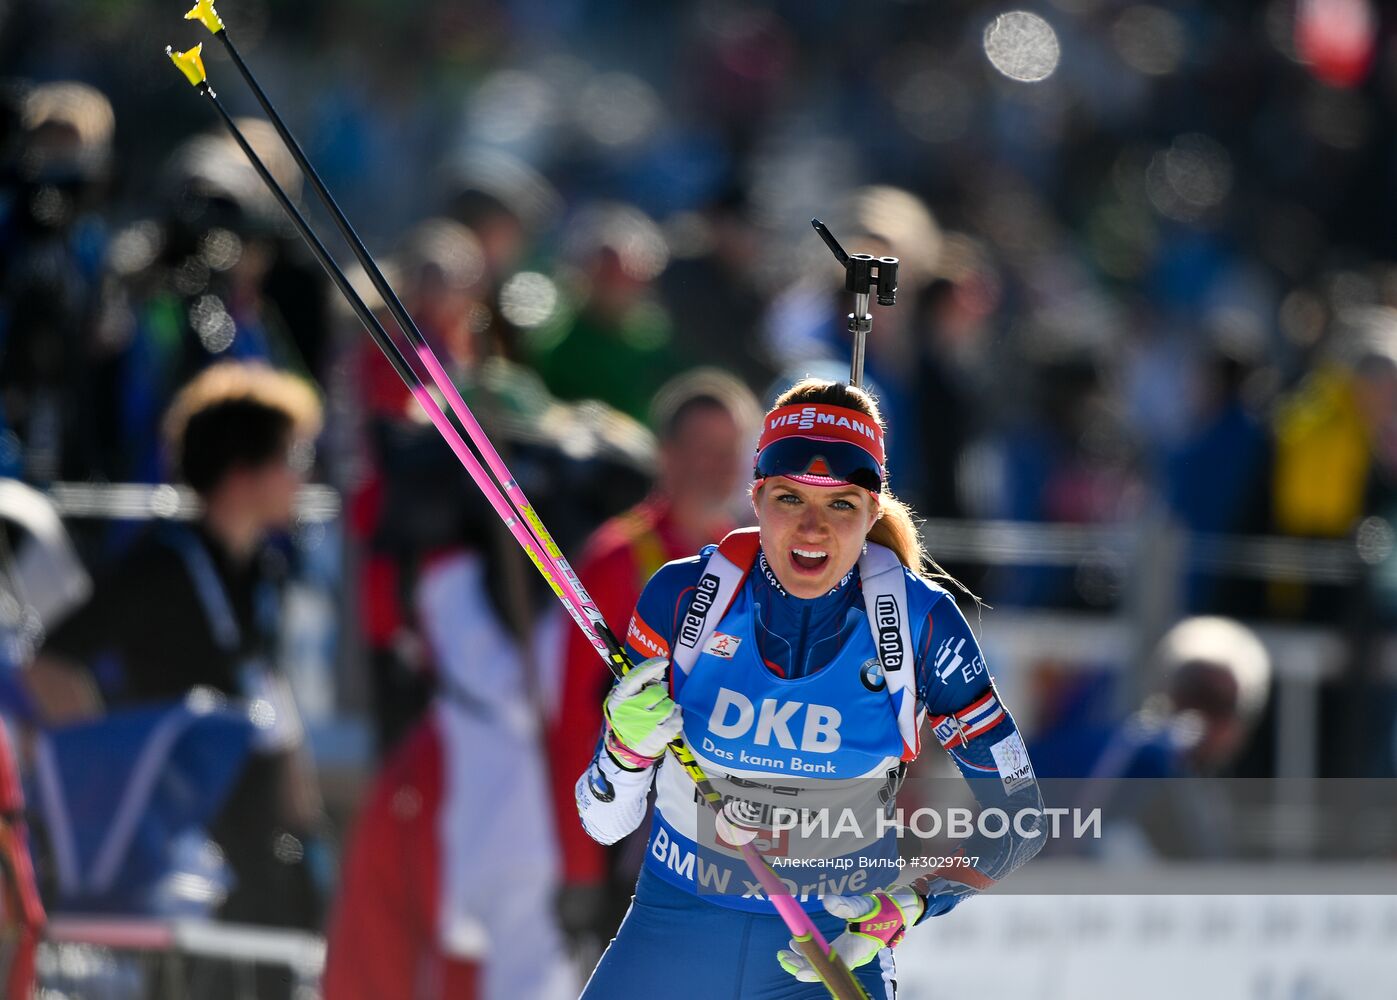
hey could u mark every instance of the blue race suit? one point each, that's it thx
(821, 652)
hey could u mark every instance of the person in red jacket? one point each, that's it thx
(383, 935)
(449, 879)
(706, 423)
(21, 913)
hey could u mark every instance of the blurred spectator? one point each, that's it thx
(192, 288)
(458, 615)
(1334, 440)
(1212, 680)
(52, 249)
(448, 884)
(612, 340)
(438, 272)
(412, 499)
(1358, 484)
(738, 63)
(196, 606)
(713, 288)
(41, 580)
(953, 379)
(1216, 479)
(579, 464)
(1066, 457)
(504, 202)
(706, 421)
(443, 264)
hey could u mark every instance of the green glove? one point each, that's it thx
(641, 718)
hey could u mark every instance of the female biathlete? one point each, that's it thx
(780, 657)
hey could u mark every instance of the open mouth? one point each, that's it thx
(809, 560)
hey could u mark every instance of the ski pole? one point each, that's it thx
(205, 13)
(191, 64)
(807, 937)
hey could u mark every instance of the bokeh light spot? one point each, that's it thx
(511, 106)
(220, 249)
(528, 299)
(1022, 46)
(618, 110)
(1191, 177)
(212, 324)
(134, 248)
(1374, 540)
(1149, 39)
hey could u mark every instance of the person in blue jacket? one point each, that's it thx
(804, 654)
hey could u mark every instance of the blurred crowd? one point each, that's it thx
(1155, 285)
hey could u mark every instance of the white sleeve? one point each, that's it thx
(610, 799)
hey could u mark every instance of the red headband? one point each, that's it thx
(822, 421)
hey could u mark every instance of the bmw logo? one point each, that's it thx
(872, 675)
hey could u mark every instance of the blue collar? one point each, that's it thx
(800, 635)
(769, 575)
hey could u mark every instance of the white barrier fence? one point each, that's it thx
(1227, 941)
(119, 958)
(1222, 933)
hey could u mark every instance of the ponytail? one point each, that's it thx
(897, 531)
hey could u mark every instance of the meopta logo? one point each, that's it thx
(698, 610)
(888, 621)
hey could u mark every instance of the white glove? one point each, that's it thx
(876, 921)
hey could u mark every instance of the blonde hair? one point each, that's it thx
(236, 413)
(897, 527)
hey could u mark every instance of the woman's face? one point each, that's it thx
(812, 535)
